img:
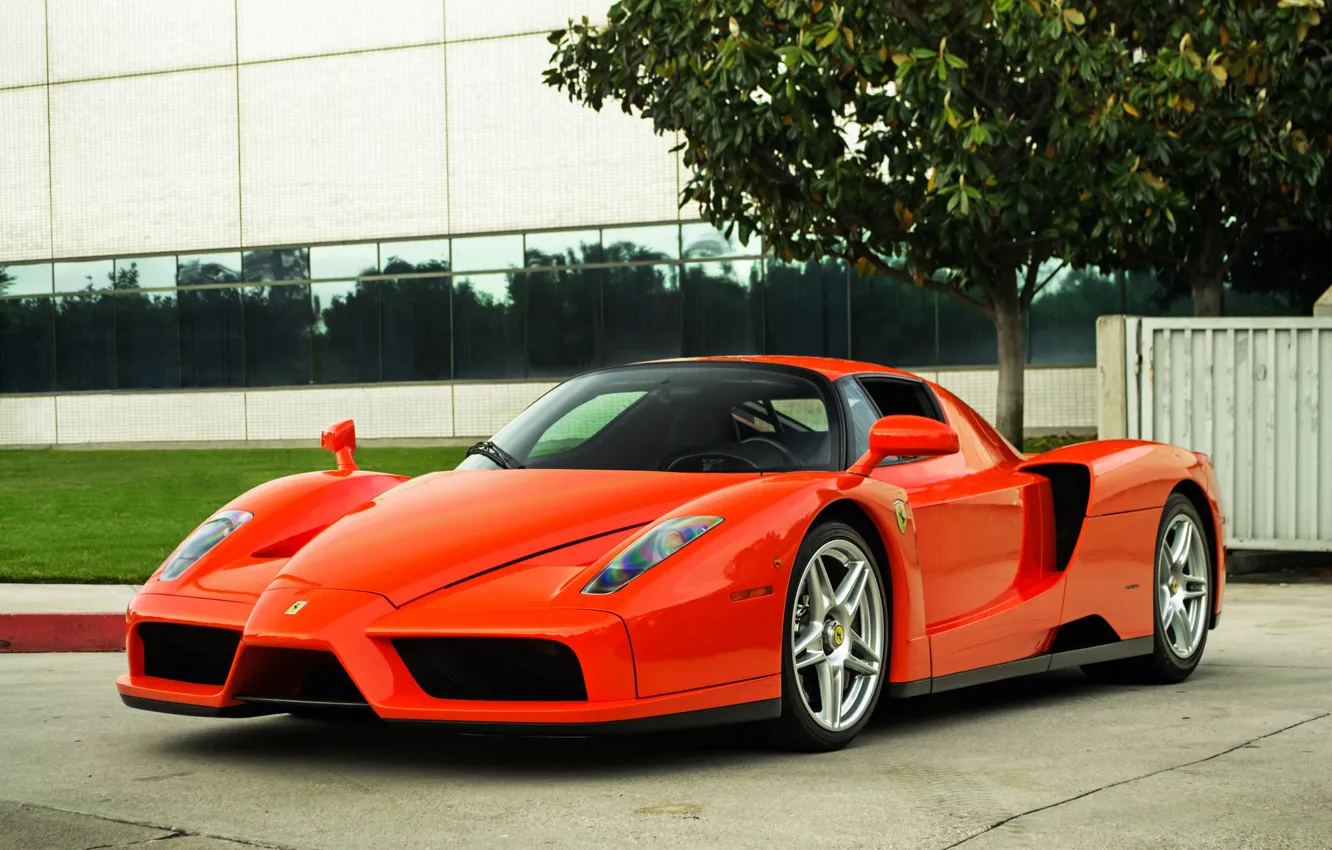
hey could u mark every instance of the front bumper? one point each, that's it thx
(358, 628)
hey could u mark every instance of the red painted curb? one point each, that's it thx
(62, 633)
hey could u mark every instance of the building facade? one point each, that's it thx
(241, 219)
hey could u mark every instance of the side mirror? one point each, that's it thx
(905, 436)
(340, 439)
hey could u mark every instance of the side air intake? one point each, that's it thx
(200, 655)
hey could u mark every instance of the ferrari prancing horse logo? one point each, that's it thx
(900, 508)
(295, 607)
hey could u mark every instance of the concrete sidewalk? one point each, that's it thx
(63, 617)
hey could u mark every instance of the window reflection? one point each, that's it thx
(702, 241)
(892, 323)
(1062, 328)
(212, 336)
(84, 276)
(85, 342)
(564, 248)
(277, 335)
(32, 279)
(417, 329)
(623, 244)
(722, 307)
(487, 253)
(641, 314)
(805, 309)
(200, 269)
(563, 310)
(276, 264)
(488, 326)
(420, 255)
(334, 261)
(146, 273)
(966, 338)
(346, 332)
(147, 341)
(27, 339)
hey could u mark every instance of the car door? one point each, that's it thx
(981, 535)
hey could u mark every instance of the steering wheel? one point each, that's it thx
(787, 454)
(701, 456)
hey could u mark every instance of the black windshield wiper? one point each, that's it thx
(495, 455)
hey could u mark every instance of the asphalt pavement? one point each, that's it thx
(1240, 756)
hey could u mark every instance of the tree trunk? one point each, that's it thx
(1207, 293)
(1010, 317)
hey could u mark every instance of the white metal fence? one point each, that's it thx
(1253, 393)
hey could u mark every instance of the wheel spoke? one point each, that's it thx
(1183, 543)
(852, 589)
(810, 637)
(830, 694)
(1195, 579)
(810, 659)
(820, 590)
(861, 658)
(1193, 594)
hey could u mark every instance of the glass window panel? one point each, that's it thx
(211, 338)
(563, 248)
(85, 340)
(334, 261)
(703, 241)
(346, 332)
(966, 338)
(417, 329)
(1062, 329)
(892, 323)
(642, 314)
(626, 244)
(146, 273)
(487, 253)
(277, 335)
(81, 276)
(563, 316)
(805, 309)
(583, 422)
(200, 269)
(488, 326)
(147, 341)
(276, 264)
(27, 338)
(422, 255)
(722, 313)
(26, 280)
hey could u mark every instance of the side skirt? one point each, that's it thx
(1023, 667)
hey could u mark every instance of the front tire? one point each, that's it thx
(1182, 602)
(835, 640)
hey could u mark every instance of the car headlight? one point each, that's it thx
(202, 541)
(649, 550)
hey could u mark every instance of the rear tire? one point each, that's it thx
(836, 640)
(1182, 587)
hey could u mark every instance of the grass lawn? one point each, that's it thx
(113, 516)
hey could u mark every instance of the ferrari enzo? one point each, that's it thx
(689, 542)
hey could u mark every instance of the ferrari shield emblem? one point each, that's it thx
(900, 508)
(295, 607)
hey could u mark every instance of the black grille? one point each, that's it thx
(196, 654)
(501, 669)
(294, 676)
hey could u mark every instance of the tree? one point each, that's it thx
(1229, 106)
(973, 139)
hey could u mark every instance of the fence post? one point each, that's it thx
(1111, 380)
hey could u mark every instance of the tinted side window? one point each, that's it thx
(902, 398)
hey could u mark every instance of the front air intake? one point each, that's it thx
(197, 654)
(499, 669)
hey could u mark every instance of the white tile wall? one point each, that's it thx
(111, 37)
(405, 412)
(476, 19)
(151, 417)
(144, 164)
(1057, 399)
(483, 409)
(27, 421)
(25, 196)
(277, 29)
(345, 147)
(528, 158)
(22, 42)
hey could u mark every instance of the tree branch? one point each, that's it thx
(882, 267)
(1031, 275)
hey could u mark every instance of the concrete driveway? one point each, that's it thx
(1239, 756)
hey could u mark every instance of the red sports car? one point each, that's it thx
(690, 542)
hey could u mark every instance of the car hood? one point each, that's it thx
(444, 528)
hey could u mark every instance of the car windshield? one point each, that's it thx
(678, 417)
